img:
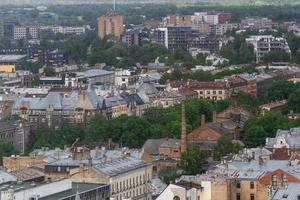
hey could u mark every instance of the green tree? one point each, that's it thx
(6, 149)
(224, 147)
(192, 161)
(255, 136)
(277, 56)
(49, 71)
(168, 174)
(293, 102)
(281, 90)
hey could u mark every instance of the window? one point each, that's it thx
(176, 198)
(238, 196)
(238, 184)
(274, 181)
(251, 185)
(252, 197)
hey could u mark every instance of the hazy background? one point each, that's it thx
(225, 2)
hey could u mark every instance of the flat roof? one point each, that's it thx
(11, 58)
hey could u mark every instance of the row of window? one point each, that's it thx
(238, 196)
(129, 183)
(238, 185)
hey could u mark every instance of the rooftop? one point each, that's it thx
(11, 58)
(120, 165)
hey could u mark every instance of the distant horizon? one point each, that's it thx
(208, 2)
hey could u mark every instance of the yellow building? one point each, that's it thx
(110, 24)
(7, 68)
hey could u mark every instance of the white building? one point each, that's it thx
(182, 190)
(263, 44)
(125, 77)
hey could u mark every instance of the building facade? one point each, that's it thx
(110, 24)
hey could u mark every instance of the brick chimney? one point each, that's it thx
(214, 116)
(183, 140)
(202, 120)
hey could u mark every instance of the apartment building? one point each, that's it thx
(54, 109)
(256, 23)
(263, 44)
(173, 37)
(110, 24)
(128, 177)
(178, 20)
(15, 133)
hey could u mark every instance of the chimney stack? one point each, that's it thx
(183, 141)
(214, 116)
(202, 120)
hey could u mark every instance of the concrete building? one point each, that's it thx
(263, 44)
(110, 24)
(178, 20)
(256, 23)
(15, 133)
(131, 37)
(173, 37)
(129, 178)
(26, 32)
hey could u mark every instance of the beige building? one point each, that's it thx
(129, 178)
(110, 24)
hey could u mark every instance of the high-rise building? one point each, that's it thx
(110, 24)
(1, 30)
(173, 37)
(178, 20)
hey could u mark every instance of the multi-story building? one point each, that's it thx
(256, 23)
(178, 20)
(6, 104)
(205, 17)
(210, 43)
(224, 16)
(54, 109)
(125, 77)
(69, 30)
(26, 32)
(128, 177)
(285, 144)
(214, 90)
(110, 24)
(15, 133)
(263, 44)
(173, 37)
(1, 30)
(131, 37)
(246, 179)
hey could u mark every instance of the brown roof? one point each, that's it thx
(193, 84)
(203, 134)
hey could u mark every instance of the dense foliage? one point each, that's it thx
(130, 131)
(6, 149)
(192, 161)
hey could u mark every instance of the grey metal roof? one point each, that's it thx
(94, 73)
(292, 137)
(291, 192)
(121, 165)
(6, 177)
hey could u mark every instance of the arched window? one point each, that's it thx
(176, 198)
